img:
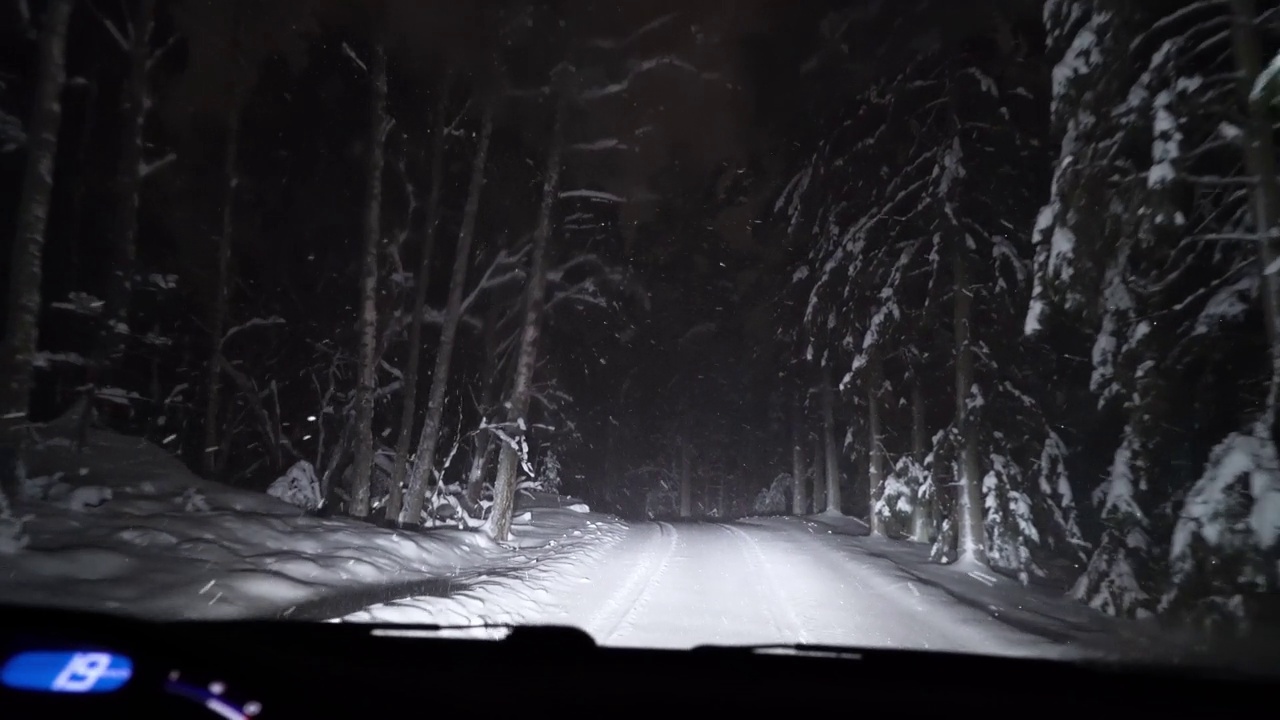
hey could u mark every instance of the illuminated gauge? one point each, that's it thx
(212, 696)
(66, 671)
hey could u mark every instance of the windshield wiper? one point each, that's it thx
(805, 649)
(558, 635)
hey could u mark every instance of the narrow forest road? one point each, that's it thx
(784, 580)
(769, 581)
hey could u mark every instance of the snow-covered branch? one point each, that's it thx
(255, 322)
(12, 136)
(602, 144)
(149, 167)
(160, 52)
(346, 49)
(452, 128)
(110, 26)
(593, 195)
(614, 44)
(636, 70)
(491, 279)
(586, 291)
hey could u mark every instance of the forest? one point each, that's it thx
(1001, 279)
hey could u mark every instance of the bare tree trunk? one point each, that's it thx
(499, 524)
(482, 442)
(424, 457)
(799, 496)
(829, 443)
(367, 322)
(114, 327)
(83, 179)
(819, 476)
(1260, 161)
(922, 510)
(875, 449)
(23, 310)
(210, 461)
(421, 282)
(686, 482)
(133, 111)
(972, 534)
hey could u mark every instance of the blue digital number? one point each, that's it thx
(66, 671)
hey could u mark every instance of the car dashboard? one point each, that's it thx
(72, 664)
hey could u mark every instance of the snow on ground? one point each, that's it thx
(514, 595)
(124, 527)
(977, 596)
(777, 580)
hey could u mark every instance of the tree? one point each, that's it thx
(424, 457)
(421, 282)
(875, 443)
(23, 307)
(912, 238)
(799, 473)
(227, 42)
(830, 456)
(218, 316)
(134, 38)
(515, 448)
(367, 320)
(1153, 113)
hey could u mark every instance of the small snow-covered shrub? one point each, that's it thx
(194, 501)
(1010, 528)
(89, 496)
(898, 492)
(38, 488)
(299, 486)
(773, 499)
(549, 472)
(12, 532)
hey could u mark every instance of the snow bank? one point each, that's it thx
(1041, 610)
(136, 533)
(524, 591)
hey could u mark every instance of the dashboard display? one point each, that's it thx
(66, 671)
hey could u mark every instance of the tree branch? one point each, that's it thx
(110, 26)
(148, 168)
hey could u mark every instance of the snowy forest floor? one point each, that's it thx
(124, 527)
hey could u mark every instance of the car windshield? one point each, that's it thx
(919, 325)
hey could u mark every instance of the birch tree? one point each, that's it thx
(23, 307)
(429, 437)
(133, 36)
(514, 450)
(421, 283)
(367, 318)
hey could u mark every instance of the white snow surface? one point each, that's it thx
(771, 580)
(125, 528)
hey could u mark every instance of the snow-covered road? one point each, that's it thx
(677, 585)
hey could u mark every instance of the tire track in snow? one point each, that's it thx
(622, 606)
(781, 617)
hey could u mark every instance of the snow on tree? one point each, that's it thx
(896, 499)
(299, 486)
(549, 472)
(12, 136)
(1228, 534)
(922, 234)
(772, 500)
(1148, 237)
